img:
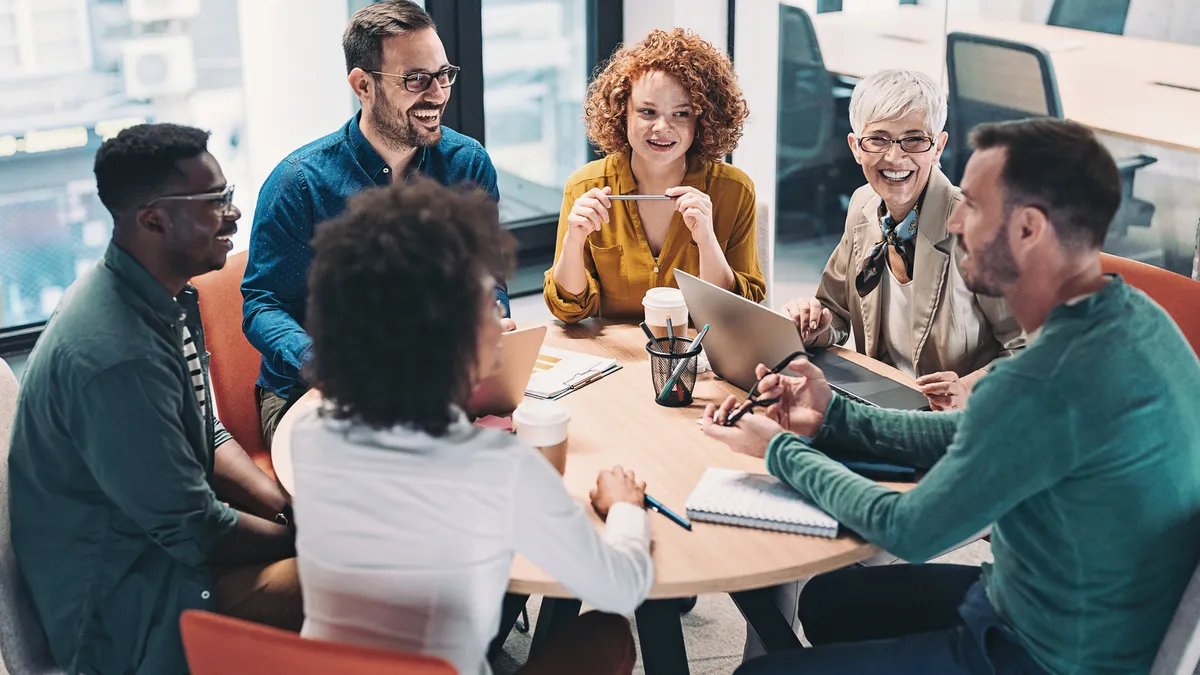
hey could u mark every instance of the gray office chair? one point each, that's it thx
(1100, 16)
(23, 646)
(807, 159)
(1180, 650)
(994, 80)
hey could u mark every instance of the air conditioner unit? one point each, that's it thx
(144, 11)
(158, 66)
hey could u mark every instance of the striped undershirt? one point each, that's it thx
(194, 367)
(196, 370)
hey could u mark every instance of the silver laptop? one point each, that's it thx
(743, 334)
(501, 392)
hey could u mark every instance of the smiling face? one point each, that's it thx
(403, 118)
(196, 234)
(661, 124)
(897, 176)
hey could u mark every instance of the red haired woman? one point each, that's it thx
(666, 112)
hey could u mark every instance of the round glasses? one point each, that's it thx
(909, 144)
(419, 82)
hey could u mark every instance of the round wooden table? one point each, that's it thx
(615, 420)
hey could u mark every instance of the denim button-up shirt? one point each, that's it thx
(309, 187)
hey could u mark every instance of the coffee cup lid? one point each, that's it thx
(542, 413)
(663, 297)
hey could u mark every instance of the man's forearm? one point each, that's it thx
(238, 480)
(278, 336)
(912, 438)
(255, 540)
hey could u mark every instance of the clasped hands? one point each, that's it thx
(802, 394)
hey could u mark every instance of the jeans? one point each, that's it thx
(899, 619)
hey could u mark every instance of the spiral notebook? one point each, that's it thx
(760, 501)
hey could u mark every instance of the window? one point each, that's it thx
(1144, 107)
(534, 79)
(77, 72)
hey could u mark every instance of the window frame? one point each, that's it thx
(460, 25)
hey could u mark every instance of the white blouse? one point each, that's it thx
(405, 541)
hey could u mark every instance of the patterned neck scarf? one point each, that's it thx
(901, 236)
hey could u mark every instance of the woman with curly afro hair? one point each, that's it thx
(666, 112)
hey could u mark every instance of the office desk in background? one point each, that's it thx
(615, 421)
(1143, 90)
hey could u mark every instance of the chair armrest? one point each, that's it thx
(1134, 162)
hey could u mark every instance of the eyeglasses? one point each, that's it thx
(224, 199)
(752, 399)
(419, 82)
(910, 144)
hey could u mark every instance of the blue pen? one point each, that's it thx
(655, 505)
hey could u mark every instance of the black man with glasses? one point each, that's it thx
(130, 503)
(893, 282)
(398, 69)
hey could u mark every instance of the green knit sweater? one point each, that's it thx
(1083, 452)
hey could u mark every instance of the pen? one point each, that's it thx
(655, 505)
(678, 372)
(649, 333)
(630, 198)
(671, 334)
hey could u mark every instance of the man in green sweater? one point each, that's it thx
(1083, 453)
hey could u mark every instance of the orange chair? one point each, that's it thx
(235, 362)
(1177, 294)
(221, 645)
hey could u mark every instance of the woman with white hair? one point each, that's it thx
(893, 280)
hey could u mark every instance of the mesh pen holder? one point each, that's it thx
(664, 361)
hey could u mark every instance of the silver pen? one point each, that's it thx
(625, 198)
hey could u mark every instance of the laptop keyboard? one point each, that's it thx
(852, 397)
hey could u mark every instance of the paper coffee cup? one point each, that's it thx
(543, 424)
(662, 303)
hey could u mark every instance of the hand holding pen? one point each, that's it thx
(619, 484)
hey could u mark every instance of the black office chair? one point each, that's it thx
(809, 141)
(995, 80)
(1100, 16)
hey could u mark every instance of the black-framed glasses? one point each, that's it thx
(910, 144)
(419, 82)
(752, 399)
(223, 199)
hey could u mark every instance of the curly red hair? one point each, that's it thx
(706, 73)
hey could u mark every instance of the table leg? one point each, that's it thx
(511, 609)
(553, 614)
(774, 631)
(660, 635)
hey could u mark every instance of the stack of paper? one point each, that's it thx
(557, 372)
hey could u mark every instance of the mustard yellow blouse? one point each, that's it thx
(619, 263)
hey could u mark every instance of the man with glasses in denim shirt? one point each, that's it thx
(399, 70)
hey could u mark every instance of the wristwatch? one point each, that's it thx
(284, 517)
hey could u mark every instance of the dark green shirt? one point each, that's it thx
(1084, 451)
(113, 516)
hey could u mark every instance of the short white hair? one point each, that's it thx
(891, 94)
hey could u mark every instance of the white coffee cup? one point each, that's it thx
(662, 303)
(543, 424)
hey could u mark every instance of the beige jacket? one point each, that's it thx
(953, 328)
